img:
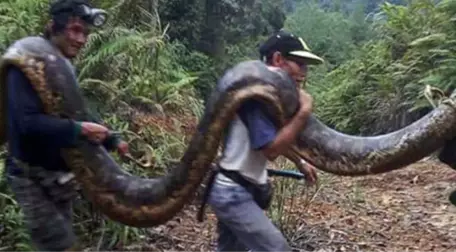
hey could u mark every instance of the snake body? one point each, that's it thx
(145, 202)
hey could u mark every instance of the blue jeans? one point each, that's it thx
(242, 225)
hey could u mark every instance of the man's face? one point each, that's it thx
(73, 38)
(296, 67)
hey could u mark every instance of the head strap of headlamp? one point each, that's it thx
(79, 8)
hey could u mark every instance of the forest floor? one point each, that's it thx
(406, 210)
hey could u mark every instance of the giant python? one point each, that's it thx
(145, 202)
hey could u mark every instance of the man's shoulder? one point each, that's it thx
(14, 73)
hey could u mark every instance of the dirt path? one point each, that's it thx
(406, 210)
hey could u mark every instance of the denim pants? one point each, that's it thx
(242, 225)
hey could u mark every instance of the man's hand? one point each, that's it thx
(306, 102)
(288, 133)
(122, 148)
(309, 171)
(94, 132)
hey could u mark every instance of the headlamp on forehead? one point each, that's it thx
(94, 16)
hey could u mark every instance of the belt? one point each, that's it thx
(233, 175)
(39, 172)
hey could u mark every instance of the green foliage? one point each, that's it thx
(208, 25)
(380, 90)
(344, 99)
(13, 234)
(216, 29)
(330, 34)
(139, 64)
(16, 19)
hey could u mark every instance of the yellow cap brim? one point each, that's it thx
(309, 57)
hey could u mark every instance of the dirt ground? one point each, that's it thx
(406, 210)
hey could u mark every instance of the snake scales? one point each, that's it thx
(144, 202)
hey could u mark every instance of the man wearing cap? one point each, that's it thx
(36, 172)
(252, 140)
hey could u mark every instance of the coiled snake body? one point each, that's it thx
(144, 202)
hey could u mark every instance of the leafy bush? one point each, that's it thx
(380, 90)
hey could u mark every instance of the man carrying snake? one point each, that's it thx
(39, 178)
(240, 192)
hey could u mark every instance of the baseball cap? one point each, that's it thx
(289, 45)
